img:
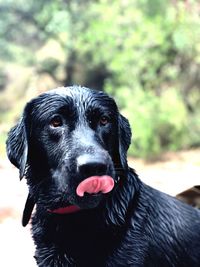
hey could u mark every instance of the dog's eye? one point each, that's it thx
(56, 121)
(104, 120)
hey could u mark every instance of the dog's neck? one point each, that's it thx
(122, 200)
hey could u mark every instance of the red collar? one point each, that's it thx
(66, 210)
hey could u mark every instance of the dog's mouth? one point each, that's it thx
(92, 187)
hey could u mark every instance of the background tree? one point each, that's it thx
(145, 53)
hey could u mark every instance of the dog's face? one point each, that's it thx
(72, 144)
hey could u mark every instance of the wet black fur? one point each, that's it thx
(134, 225)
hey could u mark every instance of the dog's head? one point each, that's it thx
(71, 144)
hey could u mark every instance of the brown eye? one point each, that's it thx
(56, 121)
(104, 120)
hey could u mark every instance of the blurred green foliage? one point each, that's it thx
(145, 53)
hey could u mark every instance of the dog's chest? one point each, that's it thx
(88, 243)
(90, 246)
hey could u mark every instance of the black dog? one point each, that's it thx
(91, 208)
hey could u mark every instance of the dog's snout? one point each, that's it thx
(90, 165)
(93, 168)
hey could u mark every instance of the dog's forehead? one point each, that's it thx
(70, 100)
(65, 91)
(74, 92)
(82, 96)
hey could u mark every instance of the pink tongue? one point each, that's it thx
(95, 184)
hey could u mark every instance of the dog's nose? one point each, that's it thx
(88, 165)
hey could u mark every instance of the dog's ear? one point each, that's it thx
(124, 139)
(17, 151)
(29, 205)
(17, 143)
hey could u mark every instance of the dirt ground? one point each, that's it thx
(172, 174)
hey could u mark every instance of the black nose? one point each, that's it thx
(89, 165)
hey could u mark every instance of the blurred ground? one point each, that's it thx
(16, 245)
(174, 173)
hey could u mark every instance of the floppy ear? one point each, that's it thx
(124, 139)
(17, 146)
(17, 151)
(18, 139)
(28, 208)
